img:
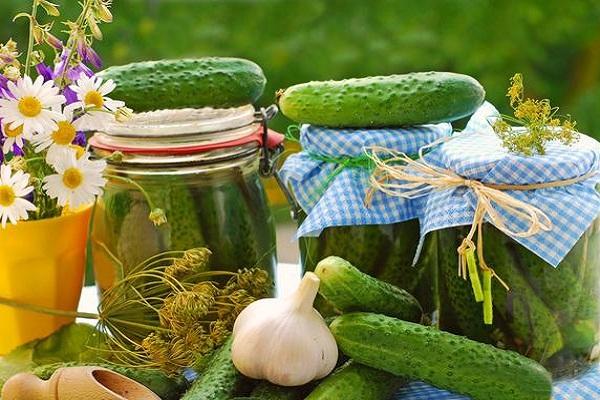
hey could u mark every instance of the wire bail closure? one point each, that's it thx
(268, 157)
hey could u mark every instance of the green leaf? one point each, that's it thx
(75, 342)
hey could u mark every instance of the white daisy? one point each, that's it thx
(13, 187)
(77, 181)
(30, 106)
(12, 137)
(59, 140)
(92, 97)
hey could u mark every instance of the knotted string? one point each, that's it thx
(402, 176)
(362, 161)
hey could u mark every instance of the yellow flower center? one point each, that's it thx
(65, 133)
(72, 178)
(7, 196)
(13, 132)
(94, 98)
(30, 106)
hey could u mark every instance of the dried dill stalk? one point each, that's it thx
(537, 123)
(170, 311)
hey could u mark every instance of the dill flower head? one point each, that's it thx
(157, 348)
(254, 281)
(183, 310)
(158, 217)
(192, 261)
(538, 121)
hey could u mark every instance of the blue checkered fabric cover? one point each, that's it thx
(475, 153)
(341, 201)
(585, 387)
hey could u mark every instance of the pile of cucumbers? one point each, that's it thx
(550, 314)
(384, 347)
(384, 251)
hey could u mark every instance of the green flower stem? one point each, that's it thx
(81, 23)
(29, 160)
(34, 7)
(137, 186)
(139, 325)
(47, 310)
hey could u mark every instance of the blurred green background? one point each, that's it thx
(554, 43)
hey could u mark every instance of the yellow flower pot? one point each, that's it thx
(42, 263)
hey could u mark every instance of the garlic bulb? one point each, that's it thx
(285, 341)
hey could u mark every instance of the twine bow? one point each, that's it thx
(396, 174)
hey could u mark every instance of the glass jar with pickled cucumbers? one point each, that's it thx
(383, 251)
(202, 169)
(549, 314)
(328, 183)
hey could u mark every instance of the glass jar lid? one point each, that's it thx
(179, 131)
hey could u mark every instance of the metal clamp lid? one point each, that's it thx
(270, 154)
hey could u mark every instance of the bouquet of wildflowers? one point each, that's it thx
(46, 108)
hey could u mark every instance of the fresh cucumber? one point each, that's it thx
(187, 83)
(354, 381)
(349, 289)
(220, 380)
(269, 391)
(396, 100)
(442, 359)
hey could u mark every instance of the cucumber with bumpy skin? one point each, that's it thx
(349, 289)
(395, 100)
(220, 380)
(355, 381)
(442, 359)
(269, 391)
(217, 82)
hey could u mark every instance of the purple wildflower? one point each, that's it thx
(75, 72)
(59, 67)
(54, 41)
(88, 55)
(3, 85)
(70, 95)
(45, 71)
(80, 139)
(17, 151)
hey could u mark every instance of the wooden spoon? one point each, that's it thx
(76, 383)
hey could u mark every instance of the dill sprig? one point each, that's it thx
(536, 123)
(170, 311)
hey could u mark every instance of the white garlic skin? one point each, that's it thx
(285, 341)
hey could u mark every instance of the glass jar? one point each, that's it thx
(549, 314)
(383, 251)
(201, 167)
